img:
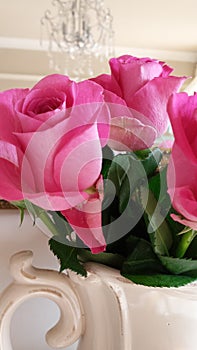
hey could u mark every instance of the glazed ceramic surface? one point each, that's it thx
(105, 311)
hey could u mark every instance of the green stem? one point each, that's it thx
(185, 242)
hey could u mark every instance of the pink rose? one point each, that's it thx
(182, 169)
(85, 218)
(51, 140)
(138, 90)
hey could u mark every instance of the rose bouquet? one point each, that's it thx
(94, 166)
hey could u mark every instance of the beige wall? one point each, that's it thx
(23, 68)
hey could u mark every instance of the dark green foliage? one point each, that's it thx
(135, 200)
(68, 257)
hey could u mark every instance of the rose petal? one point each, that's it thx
(151, 100)
(60, 161)
(128, 134)
(191, 224)
(185, 202)
(59, 82)
(8, 120)
(178, 169)
(86, 222)
(10, 184)
(183, 117)
(181, 187)
(40, 104)
(132, 73)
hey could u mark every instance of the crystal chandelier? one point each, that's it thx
(80, 36)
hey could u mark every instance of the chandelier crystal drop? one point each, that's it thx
(80, 36)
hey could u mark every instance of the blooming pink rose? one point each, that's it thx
(138, 90)
(182, 169)
(85, 219)
(51, 140)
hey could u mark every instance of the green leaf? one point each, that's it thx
(109, 259)
(107, 159)
(67, 256)
(143, 154)
(125, 194)
(22, 215)
(180, 266)
(105, 168)
(158, 186)
(62, 226)
(192, 250)
(142, 260)
(128, 171)
(159, 280)
(44, 216)
(187, 237)
(151, 161)
(118, 170)
(21, 206)
(158, 229)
